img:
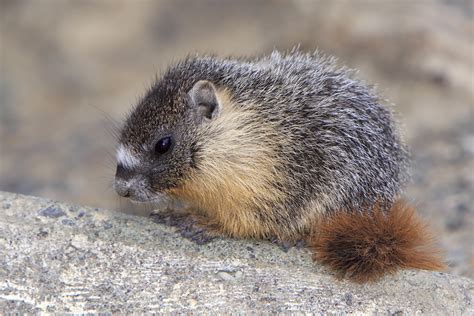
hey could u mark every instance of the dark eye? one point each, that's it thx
(163, 145)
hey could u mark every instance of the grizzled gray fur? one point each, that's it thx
(342, 146)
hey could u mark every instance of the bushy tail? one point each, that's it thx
(365, 246)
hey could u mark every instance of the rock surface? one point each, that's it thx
(60, 258)
(67, 74)
(71, 70)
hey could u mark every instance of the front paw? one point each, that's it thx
(188, 226)
(169, 217)
(192, 230)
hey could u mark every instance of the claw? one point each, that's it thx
(186, 225)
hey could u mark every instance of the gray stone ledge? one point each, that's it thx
(55, 257)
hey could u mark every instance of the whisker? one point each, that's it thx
(112, 125)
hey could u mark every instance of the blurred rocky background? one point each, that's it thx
(70, 70)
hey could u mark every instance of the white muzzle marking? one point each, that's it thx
(126, 158)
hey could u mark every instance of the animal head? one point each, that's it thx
(158, 144)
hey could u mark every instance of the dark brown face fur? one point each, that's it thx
(158, 117)
(144, 170)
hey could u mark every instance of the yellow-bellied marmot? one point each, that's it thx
(286, 147)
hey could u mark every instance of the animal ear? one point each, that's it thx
(204, 98)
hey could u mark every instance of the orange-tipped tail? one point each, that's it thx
(365, 246)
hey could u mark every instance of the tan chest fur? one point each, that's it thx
(236, 168)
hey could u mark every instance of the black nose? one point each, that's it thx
(121, 184)
(122, 172)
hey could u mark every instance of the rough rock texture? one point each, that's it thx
(68, 69)
(60, 258)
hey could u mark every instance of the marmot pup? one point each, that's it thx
(286, 147)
